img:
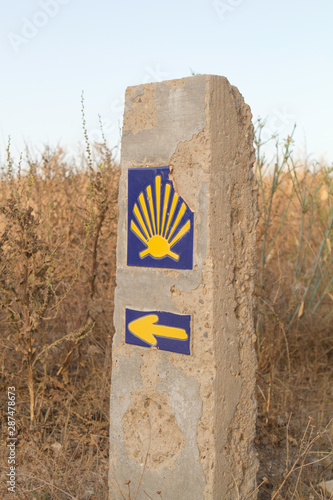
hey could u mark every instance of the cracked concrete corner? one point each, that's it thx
(143, 142)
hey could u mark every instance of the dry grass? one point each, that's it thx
(294, 325)
(57, 271)
(56, 325)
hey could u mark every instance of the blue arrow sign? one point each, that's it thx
(160, 329)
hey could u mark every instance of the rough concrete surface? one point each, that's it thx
(187, 423)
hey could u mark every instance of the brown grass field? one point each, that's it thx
(57, 277)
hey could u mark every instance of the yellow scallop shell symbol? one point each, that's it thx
(154, 226)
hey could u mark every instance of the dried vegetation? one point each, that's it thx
(294, 324)
(57, 277)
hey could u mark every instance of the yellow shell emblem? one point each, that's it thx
(154, 226)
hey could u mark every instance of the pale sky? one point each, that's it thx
(277, 52)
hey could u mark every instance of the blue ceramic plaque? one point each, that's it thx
(163, 330)
(160, 224)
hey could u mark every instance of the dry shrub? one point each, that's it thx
(57, 271)
(294, 322)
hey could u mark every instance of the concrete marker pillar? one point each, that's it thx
(183, 406)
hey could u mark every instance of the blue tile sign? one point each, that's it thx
(160, 224)
(163, 330)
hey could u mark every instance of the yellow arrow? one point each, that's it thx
(145, 328)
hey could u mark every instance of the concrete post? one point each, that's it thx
(183, 405)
